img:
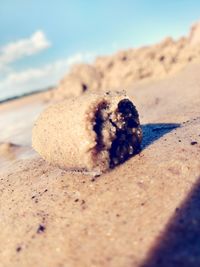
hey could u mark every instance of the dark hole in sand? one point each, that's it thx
(41, 229)
(126, 142)
(99, 125)
(84, 87)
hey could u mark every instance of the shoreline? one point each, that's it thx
(12, 98)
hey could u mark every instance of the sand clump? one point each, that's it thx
(194, 37)
(93, 132)
(131, 66)
(8, 149)
(82, 77)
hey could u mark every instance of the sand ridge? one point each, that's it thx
(136, 65)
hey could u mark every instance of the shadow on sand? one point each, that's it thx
(179, 245)
(154, 131)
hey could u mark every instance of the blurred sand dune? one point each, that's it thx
(131, 66)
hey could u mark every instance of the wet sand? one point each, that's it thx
(134, 215)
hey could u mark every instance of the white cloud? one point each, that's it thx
(37, 78)
(14, 82)
(21, 48)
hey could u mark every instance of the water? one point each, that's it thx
(13, 94)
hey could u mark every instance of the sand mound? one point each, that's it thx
(194, 37)
(81, 78)
(131, 66)
(7, 149)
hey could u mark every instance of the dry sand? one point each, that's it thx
(92, 132)
(136, 65)
(143, 213)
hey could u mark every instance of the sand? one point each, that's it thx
(128, 67)
(144, 212)
(93, 132)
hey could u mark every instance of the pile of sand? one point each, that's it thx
(130, 66)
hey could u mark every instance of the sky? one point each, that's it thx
(41, 39)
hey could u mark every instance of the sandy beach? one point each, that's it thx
(144, 212)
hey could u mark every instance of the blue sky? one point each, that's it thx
(41, 38)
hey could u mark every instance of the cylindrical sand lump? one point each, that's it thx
(90, 132)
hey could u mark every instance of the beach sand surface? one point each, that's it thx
(142, 213)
